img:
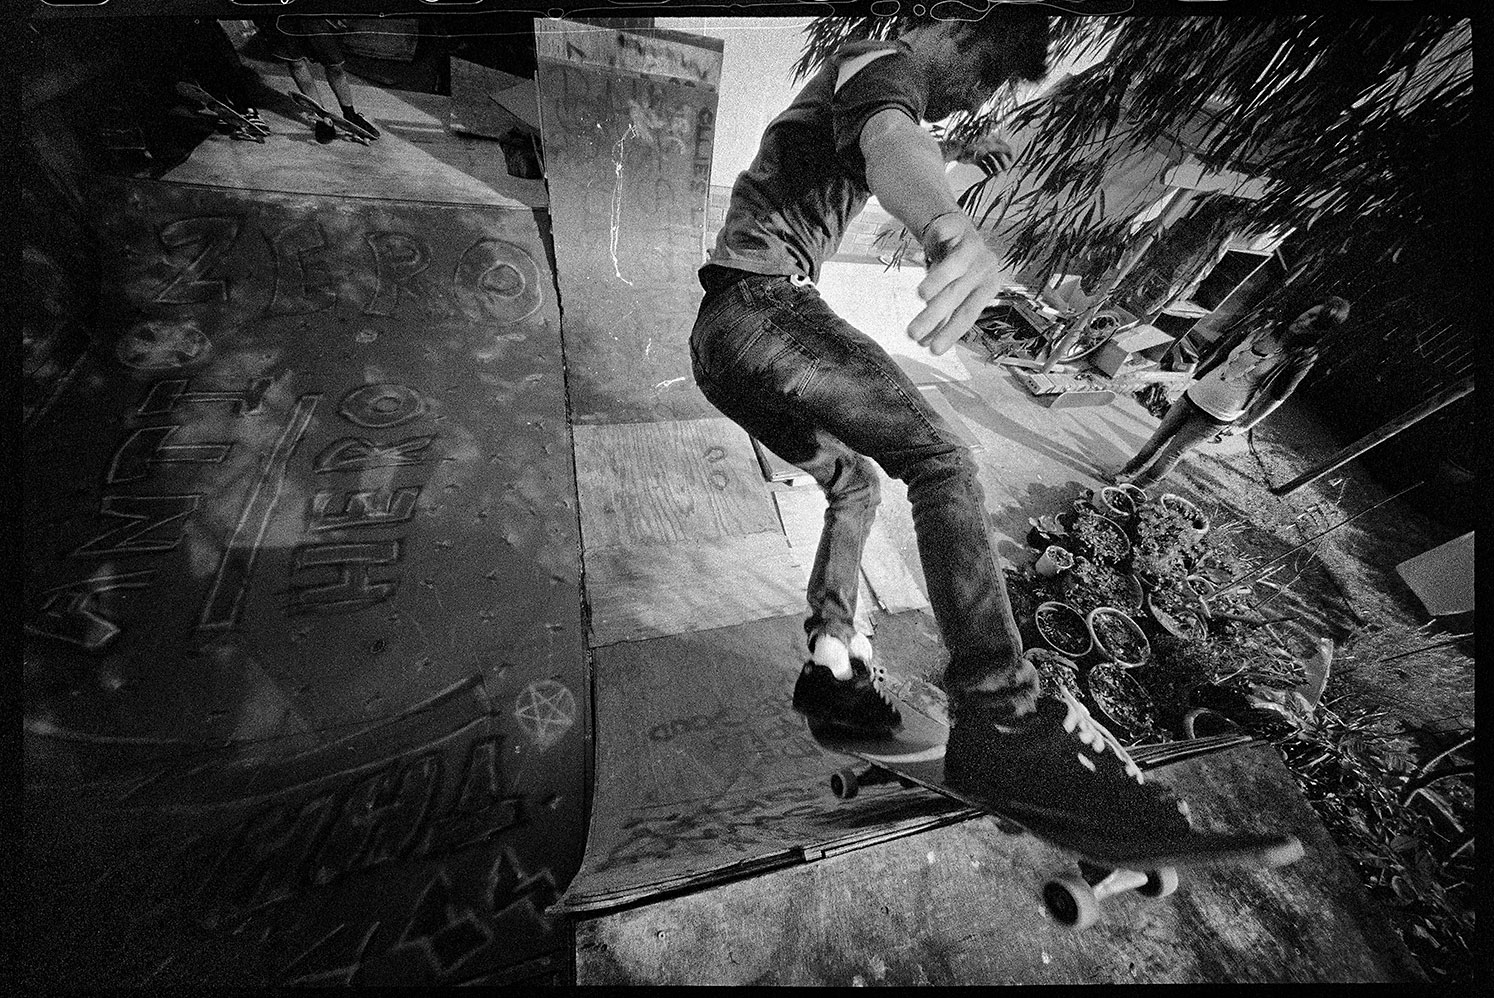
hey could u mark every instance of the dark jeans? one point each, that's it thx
(1185, 426)
(772, 356)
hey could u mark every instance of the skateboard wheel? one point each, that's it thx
(1159, 883)
(844, 784)
(1071, 901)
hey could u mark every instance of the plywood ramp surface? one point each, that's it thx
(960, 905)
(704, 771)
(893, 586)
(678, 531)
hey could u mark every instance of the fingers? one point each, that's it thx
(962, 301)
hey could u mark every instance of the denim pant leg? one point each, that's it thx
(774, 349)
(1185, 427)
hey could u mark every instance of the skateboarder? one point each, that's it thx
(298, 40)
(1235, 387)
(769, 353)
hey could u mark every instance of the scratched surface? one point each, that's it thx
(304, 656)
(960, 905)
(714, 774)
(628, 161)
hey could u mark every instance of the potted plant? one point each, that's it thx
(1089, 584)
(1100, 539)
(1114, 502)
(1166, 546)
(1178, 610)
(1063, 629)
(1192, 513)
(1117, 637)
(1055, 672)
(1054, 559)
(1122, 703)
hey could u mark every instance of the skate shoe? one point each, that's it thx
(855, 705)
(1064, 777)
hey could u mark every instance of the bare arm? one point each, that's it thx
(905, 170)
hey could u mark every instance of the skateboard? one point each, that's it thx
(337, 121)
(913, 756)
(255, 130)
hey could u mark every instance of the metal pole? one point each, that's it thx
(1442, 399)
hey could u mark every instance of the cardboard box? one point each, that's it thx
(1123, 348)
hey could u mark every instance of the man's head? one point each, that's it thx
(968, 61)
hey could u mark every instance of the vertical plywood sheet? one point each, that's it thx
(679, 532)
(628, 120)
(304, 650)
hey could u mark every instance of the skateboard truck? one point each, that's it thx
(1074, 899)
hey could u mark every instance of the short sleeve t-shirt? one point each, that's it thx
(790, 208)
(1225, 391)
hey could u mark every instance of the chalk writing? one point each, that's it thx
(193, 246)
(381, 406)
(152, 524)
(352, 589)
(147, 447)
(546, 709)
(362, 454)
(300, 286)
(399, 258)
(446, 930)
(376, 508)
(236, 566)
(71, 612)
(161, 345)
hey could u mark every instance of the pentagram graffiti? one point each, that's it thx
(546, 710)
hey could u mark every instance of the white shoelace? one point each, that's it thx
(1095, 735)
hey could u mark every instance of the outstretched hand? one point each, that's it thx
(963, 276)
(989, 153)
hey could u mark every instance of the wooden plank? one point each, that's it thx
(628, 163)
(960, 906)
(802, 512)
(703, 770)
(956, 422)
(645, 591)
(490, 102)
(893, 586)
(671, 54)
(1078, 399)
(647, 484)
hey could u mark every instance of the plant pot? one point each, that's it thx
(1123, 704)
(1139, 496)
(1173, 501)
(1201, 586)
(1063, 629)
(1054, 559)
(1114, 502)
(1055, 672)
(1118, 544)
(1188, 623)
(1102, 621)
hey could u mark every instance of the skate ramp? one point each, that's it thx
(304, 659)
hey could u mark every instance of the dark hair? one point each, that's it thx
(1014, 38)
(1335, 313)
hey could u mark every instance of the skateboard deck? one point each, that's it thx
(337, 121)
(254, 129)
(913, 756)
